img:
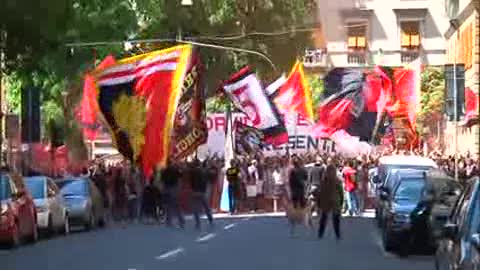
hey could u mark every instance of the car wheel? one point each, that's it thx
(66, 226)
(34, 236)
(15, 242)
(387, 241)
(50, 228)
(91, 222)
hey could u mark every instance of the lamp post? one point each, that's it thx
(184, 3)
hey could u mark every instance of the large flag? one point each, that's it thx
(138, 98)
(343, 101)
(246, 93)
(471, 107)
(294, 95)
(87, 113)
(406, 90)
(190, 129)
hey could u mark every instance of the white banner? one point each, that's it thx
(300, 139)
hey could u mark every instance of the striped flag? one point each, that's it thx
(138, 98)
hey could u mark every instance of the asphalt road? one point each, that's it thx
(235, 243)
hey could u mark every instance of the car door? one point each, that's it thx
(462, 219)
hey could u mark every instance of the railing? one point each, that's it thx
(315, 58)
(357, 57)
(409, 55)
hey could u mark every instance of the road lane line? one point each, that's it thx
(206, 237)
(170, 254)
(247, 219)
(229, 226)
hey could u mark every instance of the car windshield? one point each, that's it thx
(410, 190)
(73, 187)
(4, 188)
(36, 186)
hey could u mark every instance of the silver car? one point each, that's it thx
(52, 213)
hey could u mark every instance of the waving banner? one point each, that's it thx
(190, 129)
(246, 93)
(138, 98)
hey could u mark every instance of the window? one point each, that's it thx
(410, 40)
(357, 36)
(357, 42)
(410, 37)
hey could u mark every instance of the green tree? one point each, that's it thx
(432, 99)
(316, 86)
(243, 19)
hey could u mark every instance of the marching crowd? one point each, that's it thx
(253, 182)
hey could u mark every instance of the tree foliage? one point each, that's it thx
(432, 99)
(36, 54)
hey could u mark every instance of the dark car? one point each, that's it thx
(84, 202)
(460, 243)
(438, 200)
(18, 216)
(398, 231)
(386, 189)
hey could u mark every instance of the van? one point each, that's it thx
(388, 163)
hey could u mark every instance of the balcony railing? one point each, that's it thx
(357, 57)
(409, 55)
(315, 58)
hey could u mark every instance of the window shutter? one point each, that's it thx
(405, 40)
(361, 42)
(352, 42)
(415, 40)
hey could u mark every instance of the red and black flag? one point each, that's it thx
(190, 129)
(88, 109)
(138, 98)
(343, 107)
(247, 94)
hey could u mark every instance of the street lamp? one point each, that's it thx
(184, 3)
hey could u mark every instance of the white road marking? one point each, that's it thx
(247, 219)
(206, 237)
(170, 254)
(229, 226)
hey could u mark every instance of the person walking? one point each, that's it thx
(234, 185)
(330, 201)
(199, 178)
(171, 181)
(297, 178)
(351, 187)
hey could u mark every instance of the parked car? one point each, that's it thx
(18, 216)
(398, 231)
(459, 247)
(52, 213)
(84, 202)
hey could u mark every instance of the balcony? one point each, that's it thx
(357, 57)
(315, 58)
(409, 55)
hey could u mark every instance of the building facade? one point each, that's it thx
(360, 33)
(463, 47)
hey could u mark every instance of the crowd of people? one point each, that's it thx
(255, 183)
